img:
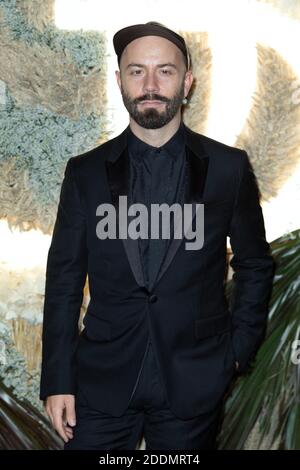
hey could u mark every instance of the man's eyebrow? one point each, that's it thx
(167, 64)
(134, 65)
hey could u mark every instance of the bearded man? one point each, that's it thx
(160, 344)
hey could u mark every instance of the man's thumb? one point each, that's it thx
(70, 413)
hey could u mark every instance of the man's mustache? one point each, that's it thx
(152, 97)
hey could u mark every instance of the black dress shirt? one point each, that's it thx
(156, 176)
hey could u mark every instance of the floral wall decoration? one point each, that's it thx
(53, 105)
(58, 99)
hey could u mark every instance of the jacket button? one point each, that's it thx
(152, 298)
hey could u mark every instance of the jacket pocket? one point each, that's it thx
(211, 326)
(96, 328)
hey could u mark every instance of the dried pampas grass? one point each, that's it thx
(196, 111)
(39, 13)
(289, 8)
(21, 308)
(28, 341)
(271, 135)
(37, 75)
(17, 204)
(42, 143)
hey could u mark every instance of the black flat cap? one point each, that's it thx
(124, 36)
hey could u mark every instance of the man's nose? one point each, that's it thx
(150, 83)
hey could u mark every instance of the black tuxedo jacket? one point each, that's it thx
(196, 335)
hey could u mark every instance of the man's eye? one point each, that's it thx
(166, 72)
(136, 72)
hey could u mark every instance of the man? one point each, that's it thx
(160, 344)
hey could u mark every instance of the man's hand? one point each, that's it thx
(61, 410)
(237, 365)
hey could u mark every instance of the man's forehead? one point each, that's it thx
(152, 46)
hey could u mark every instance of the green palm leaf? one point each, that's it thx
(22, 427)
(269, 393)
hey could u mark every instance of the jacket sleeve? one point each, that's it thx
(253, 267)
(65, 279)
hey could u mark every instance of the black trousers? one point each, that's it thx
(148, 414)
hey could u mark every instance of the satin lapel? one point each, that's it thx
(117, 171)
(196, 167)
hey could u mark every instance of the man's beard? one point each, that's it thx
(151, 118)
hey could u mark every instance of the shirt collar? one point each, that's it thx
(173, 147)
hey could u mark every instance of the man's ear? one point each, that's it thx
(118, 77)
(188, 82)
